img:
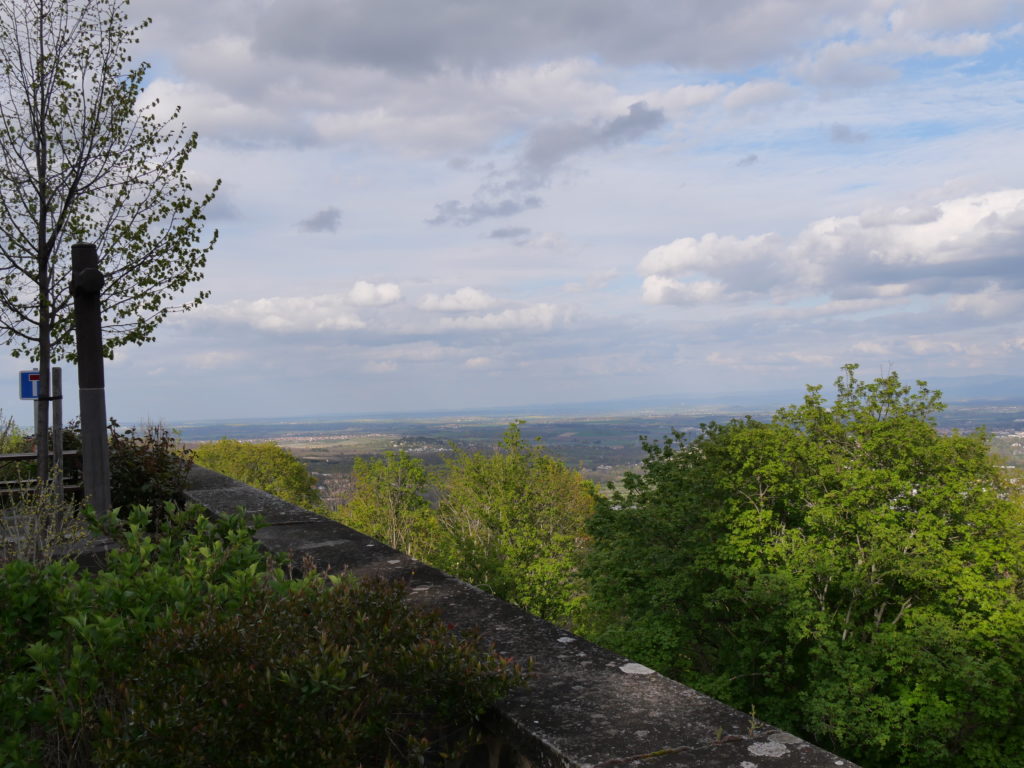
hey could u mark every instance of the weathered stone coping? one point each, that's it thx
(584, 707)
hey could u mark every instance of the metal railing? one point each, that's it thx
(71, 477)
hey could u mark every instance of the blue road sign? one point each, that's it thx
(29, 385)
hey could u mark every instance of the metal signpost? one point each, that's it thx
(28, 385)
(29, 388)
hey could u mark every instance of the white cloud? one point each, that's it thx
(871, 348)
(380, 366)
(390, 34)
(812, 358)
(665, 290)
(935, 346)
(364, 294)
(421, 351)
(478, 362)
(957, 246)
(594, 282)
(465, 299)
(892, 290)
(1014, 345)
(214, 359)
(990, 303)
(944, 15)
(287, 314)
(535, 317)
(875, 58)
(236, 120)
(757, 93)
(711, 252)
(681, 98)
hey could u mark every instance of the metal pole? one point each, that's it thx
(86, 284)
(38, 428)
(42, 405)
(57, 397)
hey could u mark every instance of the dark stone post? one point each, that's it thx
(86, 283)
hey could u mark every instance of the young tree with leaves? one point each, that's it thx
(84, 158)
(515, 524)
(390, 503)
(847, 569)
(511, 521)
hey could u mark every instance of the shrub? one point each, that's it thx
(39, 525)
(14, 474)
(147, 468)
(324, 671)
(12, 439)
(266, 466)
(193, 649)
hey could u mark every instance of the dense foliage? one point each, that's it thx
(266, 466)
(390, 503)
(147, 467)
(845, 569)
(515, 524)
(512, 521)
(192, 649)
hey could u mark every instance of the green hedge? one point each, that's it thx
(192, 648)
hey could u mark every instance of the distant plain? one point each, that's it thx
(602, 446)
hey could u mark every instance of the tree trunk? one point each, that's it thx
(43, 265)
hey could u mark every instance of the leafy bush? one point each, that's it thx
(266, 466)
(148, 468)
(192, 648)
(326, 671)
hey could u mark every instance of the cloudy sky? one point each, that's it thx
(451, 204)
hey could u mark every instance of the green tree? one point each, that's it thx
(390, 504)
(83, 158)
(846, 569)
(515, 524)
(266, 466)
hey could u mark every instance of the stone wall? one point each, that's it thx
(584, 707)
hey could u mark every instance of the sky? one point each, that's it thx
(444, 204)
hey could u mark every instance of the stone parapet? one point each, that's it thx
(584, 706)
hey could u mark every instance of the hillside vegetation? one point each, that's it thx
(512, 521)
(263, 465)
(192, 647)
(844, 570)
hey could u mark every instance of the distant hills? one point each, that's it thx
(996, 401)
(1008, 389)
